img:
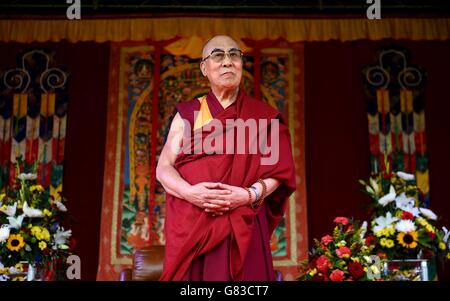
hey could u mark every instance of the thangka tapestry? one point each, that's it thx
(146, 82)
(396, 115)
(33, 113)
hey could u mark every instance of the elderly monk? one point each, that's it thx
(222, 207)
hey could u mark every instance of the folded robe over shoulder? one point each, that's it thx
(234, 246)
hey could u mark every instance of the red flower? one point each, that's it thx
(370, 240)
(431, 235)
(341, 220)
(343, 252)
(407, 215)
(326, 240)
(323, 264)
(337, 275)
(356, 270)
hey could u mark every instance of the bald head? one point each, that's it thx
(224, 72)
(220, 42)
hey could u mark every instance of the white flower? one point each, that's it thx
(383, 222)
(60, 206)
(27, 176)
(375, 186)
(446, 234)
(31, 212)
(13, 270)
(4, 233)
(4, 278)
(61, 237)
(2, 271)
(406, 204)
(363, 231)
(367, 258)
(405, 176)
(405, 226)
(386, 199)
(9, 210)
(428, 213)
(15, 222)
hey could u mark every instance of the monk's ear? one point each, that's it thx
(203, 68)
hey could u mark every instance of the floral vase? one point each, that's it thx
(409, 270)
(35, 272)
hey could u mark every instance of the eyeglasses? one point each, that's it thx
(218, 55)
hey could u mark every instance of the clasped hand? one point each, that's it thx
(216, 198)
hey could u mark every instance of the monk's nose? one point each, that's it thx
(227, 61)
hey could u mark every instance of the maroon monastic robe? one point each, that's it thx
(234, 246)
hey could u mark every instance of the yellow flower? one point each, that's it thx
(19, 267)
(422, 221)
(42, 245)
(45, 234)
(442, 246)
(383, 242)
(47, 212)
(430, 228)
(313, 272)
(40, 233)
(385, 232)
(15, 242)
(38, 188)
(408, 240)
(355, 259)
(390, 231)
(448, 256)
(2, 196)
(36, 230)
(389, 243)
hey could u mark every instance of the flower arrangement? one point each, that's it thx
(31, 229)
(401, 226)
(343, 256)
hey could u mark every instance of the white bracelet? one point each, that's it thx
(256, 192)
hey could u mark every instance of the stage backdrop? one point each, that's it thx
(33, 113)
(146, 81)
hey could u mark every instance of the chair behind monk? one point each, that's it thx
(147, 265)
